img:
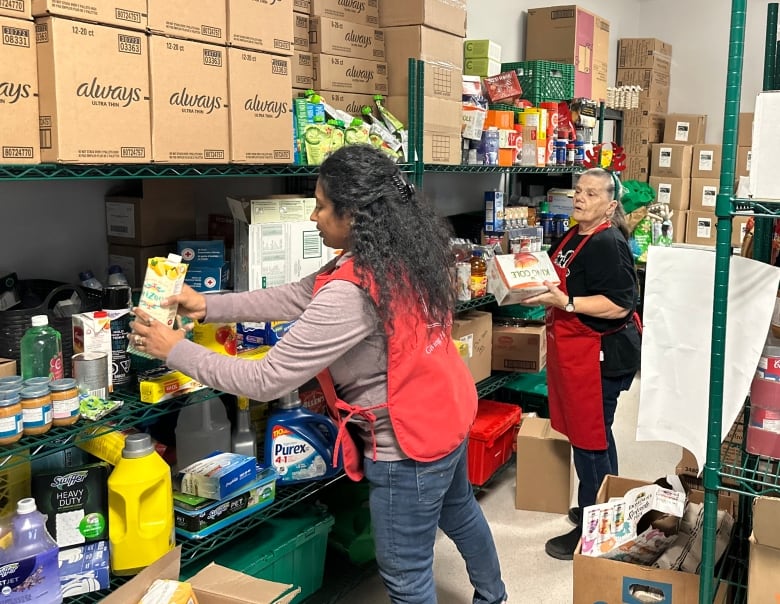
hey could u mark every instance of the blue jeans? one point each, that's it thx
(593, 466)
(408, 501)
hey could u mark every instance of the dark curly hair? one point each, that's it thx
(396, 237)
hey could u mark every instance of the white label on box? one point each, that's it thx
(681, 131)
(708, 196)
(704, 228)
(705, 160)
(120, 219)
(749, 157)
(469, 340)
(665, 157)
(664, 193)
(742, 231)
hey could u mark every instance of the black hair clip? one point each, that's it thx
(405, 188)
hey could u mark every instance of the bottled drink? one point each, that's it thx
(41, 350)
(478, 274)
(116, 302)
(116, 276)
(89, 280)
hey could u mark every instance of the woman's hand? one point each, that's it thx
(552, 297)
(191, 303)
(152, 337)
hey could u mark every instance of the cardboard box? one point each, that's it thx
(637, 141)
(130, 14)
(679, 222)
(650, 105)
(365, 12)
(213, 585)
(671, 160)
(302, 70)
(655, 84)
(208, 276)
(704, 192)
(685, 128)
(648, 53)
(302, 6)
(347, 74)
(150, 212)
(543, 468)
(19, 93)
(345, 39)
(701, 229)
(440, 115)
(445, 15)
(638, 118)
(301, 25)
(190, 121)
(442, 148)
(744, 160)
(351, 103)
(637, 168)
(132, 259)
(738, 230)
(475, 328)
(16, 9)
(423, 43)
(94, 111)
(261, 117)
(672, 190)
(763, 580)
(265, 26)
(570, 34)
(519, 349)
(439, 80)
(483, 67)
(745, 130)
(7, 367)
(201, 20)
(706, 161)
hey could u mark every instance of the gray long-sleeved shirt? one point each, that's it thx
(338, 329)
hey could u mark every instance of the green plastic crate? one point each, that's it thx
(352, 533)
(287, 549)
(529, 390)
(543, 80)
(521, 311)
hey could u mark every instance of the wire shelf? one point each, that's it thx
(493, 383)
(475, 303)
(762, 208)
(503, 169)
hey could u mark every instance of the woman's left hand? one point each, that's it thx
(152, 337)
(552, 297)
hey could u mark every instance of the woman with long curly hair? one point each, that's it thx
(374, 327)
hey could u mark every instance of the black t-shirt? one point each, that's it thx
(603, 266)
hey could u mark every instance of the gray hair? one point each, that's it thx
(614, 187)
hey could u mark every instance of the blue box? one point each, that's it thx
(84, 569)
(217, 476)
(252, 335)
(208, 277)
(211, 251)
(494, 212)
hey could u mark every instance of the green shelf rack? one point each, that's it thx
(466, 169)
(493, 383)
(475, 303)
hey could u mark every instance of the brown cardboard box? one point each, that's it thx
(650, 105)
(701, 229)
(189, 101)
(637, 118)
(20, 142)
(679, 221)
(706, 161)
(445, 15)
(422, 43)
(519, 349)
(16, 9)
(685, 128)
(476, 329)
(365, 12)
(637, 168)
(655, 84)
(132, 259)
(7, 367)
(730, 450)
(94, 93)
(150, 212)
(672, 191)
(345, 39)
(301, 25)
(130, 14)
(439, 80)
(743, 161)
(202, 20)
(260, 108)
(671, 160)
(351, 103)
(570, 34)
(648, 53)
(704, 192)
(302, 6)
(346, 74)
(302, 67)
(440, 115)
(442, 148)
(763, 582)
(745, 130)
(637, 141)
(263, 26)
(738, 230)
(543, 468)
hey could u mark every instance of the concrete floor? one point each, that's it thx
(530, 575)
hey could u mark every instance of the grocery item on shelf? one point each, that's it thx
(200, 430)
(117, 302)
(243, 438)
(41, 350)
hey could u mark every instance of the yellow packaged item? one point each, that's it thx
(462, 348)
(169, 385)
(167, 591)
(219, 337)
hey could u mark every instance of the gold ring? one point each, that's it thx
(138, 340)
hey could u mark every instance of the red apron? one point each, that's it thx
(574, 368)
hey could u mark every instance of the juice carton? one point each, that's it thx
(92, 333)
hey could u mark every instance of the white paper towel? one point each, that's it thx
(674, 392)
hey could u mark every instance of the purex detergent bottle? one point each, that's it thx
(299, 443)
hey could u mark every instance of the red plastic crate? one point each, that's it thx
(491, 439)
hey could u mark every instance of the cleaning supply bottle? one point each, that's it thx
(140, 507)
(41, 350)
(117, 303)
(299, 443)
(32, 568)
(200, 430)
(243, 437)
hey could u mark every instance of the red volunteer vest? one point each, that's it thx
(431, 397)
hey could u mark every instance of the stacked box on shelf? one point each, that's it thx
(481, 58)
(433, 31)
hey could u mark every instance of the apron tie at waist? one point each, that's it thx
(351, 411)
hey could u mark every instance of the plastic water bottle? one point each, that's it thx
(41, 350)
(116, 276)
(33, 556)
(200, 430)
(89, 280)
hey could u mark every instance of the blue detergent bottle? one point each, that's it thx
(299, 443)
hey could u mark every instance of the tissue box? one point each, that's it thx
(84, 569)
(217, 476)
